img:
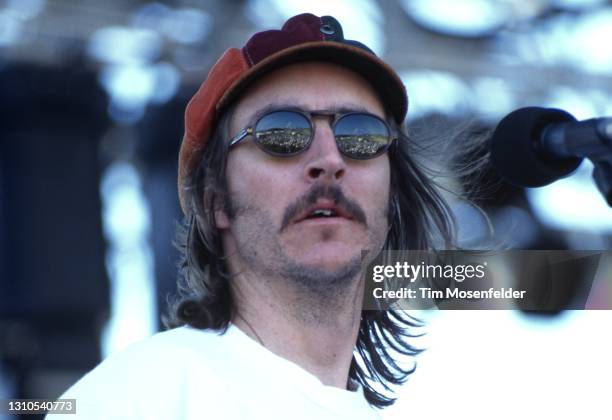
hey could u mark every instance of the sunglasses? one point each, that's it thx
(285, 133)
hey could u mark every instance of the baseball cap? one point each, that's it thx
(304, 37)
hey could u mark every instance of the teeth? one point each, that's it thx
(323, 213)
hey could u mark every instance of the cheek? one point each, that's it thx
(374, 188)
(256, 182)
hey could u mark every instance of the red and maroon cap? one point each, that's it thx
(304, 37)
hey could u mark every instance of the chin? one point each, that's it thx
(328, 258)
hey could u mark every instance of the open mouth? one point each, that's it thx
(323, 210)
(324, 213)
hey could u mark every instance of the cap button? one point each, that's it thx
(327, 29)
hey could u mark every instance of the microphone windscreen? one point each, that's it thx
(515, 148)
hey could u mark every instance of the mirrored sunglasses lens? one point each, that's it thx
(283, 132)
(361, 136)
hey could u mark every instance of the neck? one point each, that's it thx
(316, 332)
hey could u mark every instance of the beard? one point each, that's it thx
(315, 291)
(271, 261)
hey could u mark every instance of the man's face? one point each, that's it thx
(268, 232)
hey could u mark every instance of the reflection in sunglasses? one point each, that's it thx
(284, 141)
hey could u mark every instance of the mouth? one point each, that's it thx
(324, 210)
(323, 205)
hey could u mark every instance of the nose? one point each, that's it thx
(324, 160)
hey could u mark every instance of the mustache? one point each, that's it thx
(321, 191)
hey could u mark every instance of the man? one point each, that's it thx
(294, 174)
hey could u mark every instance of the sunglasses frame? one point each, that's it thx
(308, 115)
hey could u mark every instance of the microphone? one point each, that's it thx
(532, 147)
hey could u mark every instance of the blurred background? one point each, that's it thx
(92, 96)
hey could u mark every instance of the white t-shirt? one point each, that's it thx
(189, 374)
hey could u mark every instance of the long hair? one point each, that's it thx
(418, 218)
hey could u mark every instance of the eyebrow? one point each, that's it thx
(340, 109)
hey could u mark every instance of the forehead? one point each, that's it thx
(310, 86)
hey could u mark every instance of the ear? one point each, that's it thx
(221, 220)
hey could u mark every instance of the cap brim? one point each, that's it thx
(380, 75)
